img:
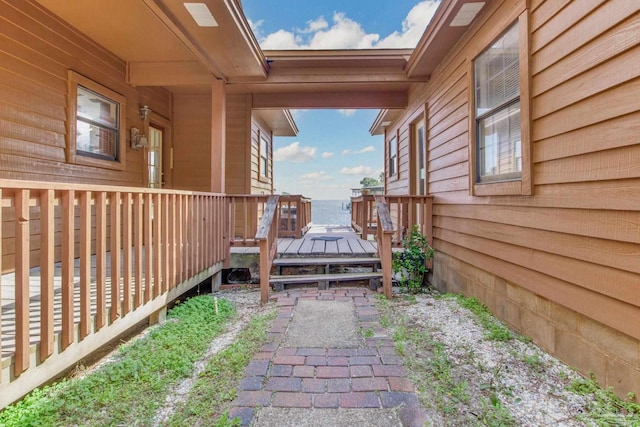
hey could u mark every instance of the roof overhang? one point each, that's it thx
(279, 121)
(448, 25)
(372, 78)
(158, 34)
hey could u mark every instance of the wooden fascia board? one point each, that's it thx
(376, 125)
(243, 25)
(350, 99)
(168, 74)
(187, 40)
(436, 24)
(292, 122)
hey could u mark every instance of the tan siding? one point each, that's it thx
(576, 241)
(36, 51)
(192, 142)
(238, 128)
(260, 184)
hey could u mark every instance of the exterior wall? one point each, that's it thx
(238, 134)
(36, 52)
(192, 142)
(562, 264)
(259, 183)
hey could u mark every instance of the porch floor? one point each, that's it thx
(320, 241)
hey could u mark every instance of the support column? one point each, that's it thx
(218, 136)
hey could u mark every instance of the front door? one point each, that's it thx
(154, 157)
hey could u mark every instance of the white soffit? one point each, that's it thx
(465, 15)
(201, 14)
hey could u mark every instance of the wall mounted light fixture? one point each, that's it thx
(138, 140)
(144, 113)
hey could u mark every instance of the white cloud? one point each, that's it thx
(294, 153)
(281, 39)
(367, 149)
(316, 25)
(345, 33)
(327, 154)
(347, 151)
(347, 113)
(412, 27)
(358, 170)
(316, 176)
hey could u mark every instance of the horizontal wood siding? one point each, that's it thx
(576, 241)
(192, 142)
(238, 128)
(36, 51)
(259, 183)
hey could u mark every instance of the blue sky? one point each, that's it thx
(333, 150)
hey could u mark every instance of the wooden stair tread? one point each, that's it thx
(324, 261)
(324, 277)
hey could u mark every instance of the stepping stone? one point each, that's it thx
(324, 324)
(296, 417)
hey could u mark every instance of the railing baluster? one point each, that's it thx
(137, 241)
(101, 258)
(157, 245)
(68, 252)
(172, 241)
(47, 268)
(22, 281)
(127, 221)
(148, 248)
(166, 245)
(116, 221)
(85, 263)
(1, 221)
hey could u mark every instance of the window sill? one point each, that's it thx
(79, 159)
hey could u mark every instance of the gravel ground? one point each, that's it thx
(526, 381)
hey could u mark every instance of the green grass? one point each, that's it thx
(606, 409)
(216, 387)
(129, 390)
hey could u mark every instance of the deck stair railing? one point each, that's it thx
(405, 211)
(245, 213)
(267, 238)
(77, 258)
(385, 231)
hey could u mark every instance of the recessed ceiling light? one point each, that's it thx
(201, 14)
(465, 15)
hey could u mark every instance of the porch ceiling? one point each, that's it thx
(162, 33)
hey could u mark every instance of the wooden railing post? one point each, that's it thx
(47, 259)
(22, 281)
(385, 232)
(267, 236)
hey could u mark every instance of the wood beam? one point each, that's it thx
(292, 100)
(168, 74)
(218, 136)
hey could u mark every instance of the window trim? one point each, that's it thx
(522, 185)
(263, 175)
(73, 81)
(393, 142)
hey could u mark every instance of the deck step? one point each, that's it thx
(323, 280)
(324, 261)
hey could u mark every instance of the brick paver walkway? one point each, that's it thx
(371, 376)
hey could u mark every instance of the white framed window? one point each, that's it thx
(393, 156)
(264, 155)
(497, 110)
(97, 134)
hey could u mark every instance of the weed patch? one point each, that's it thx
(606, 409)
(128, 390)
(216, 386)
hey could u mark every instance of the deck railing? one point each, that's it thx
(246, 212)
(78, 258)
(267, 238)
(384, 237)
(405, 211)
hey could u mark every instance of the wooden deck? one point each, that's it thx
(319, 242)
